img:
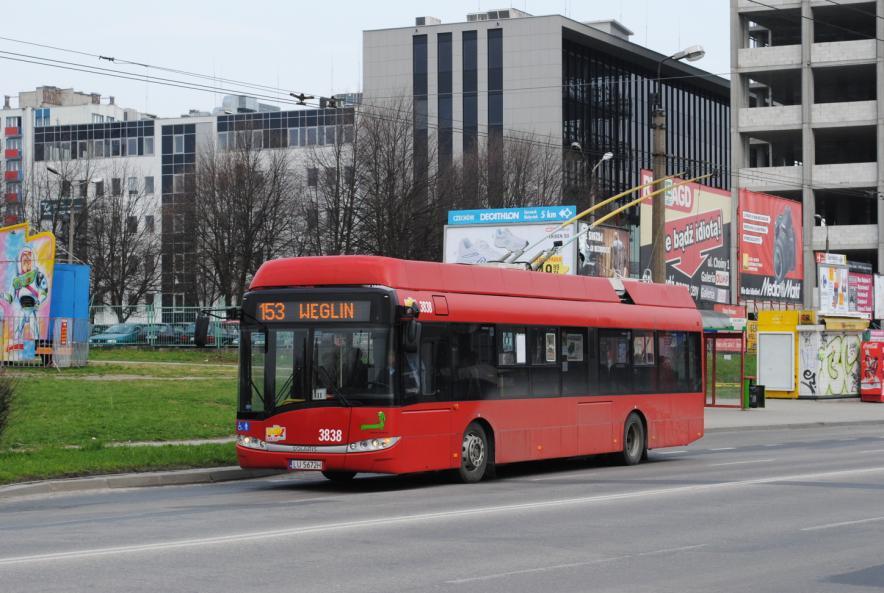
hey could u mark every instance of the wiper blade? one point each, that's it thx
(338, 391)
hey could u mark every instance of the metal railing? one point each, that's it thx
(158, 327)
(29, 340)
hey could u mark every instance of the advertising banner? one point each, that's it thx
(860, 288)
(603, 251)
(771, 266)
(532, 214)
(26, 268)
(697, 239)
(832, 280)
(479, 244)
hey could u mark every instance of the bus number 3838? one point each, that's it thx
(330, 435)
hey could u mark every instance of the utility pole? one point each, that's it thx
(658, 210)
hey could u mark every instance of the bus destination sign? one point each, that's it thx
(314, 311)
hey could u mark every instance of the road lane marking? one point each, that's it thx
(872, 451)
(842, 524)
(560, 476)
(379, 522)
(741, 462)
(671, 452)
(774, 445)
(723, 449)
(500, 575)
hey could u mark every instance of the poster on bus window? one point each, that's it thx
(26, 269)
(697, 238)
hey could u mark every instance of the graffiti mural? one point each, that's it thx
(829, 363)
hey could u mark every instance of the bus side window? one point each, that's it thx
(615, 366)
(475, 375)
(512, 363)
(435, 363)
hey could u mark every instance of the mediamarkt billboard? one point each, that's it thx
(697, 240)
(771, 264)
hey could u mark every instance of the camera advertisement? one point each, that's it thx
(603, 251)
(771, 266)
(697, 239)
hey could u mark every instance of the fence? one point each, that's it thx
(165, 327)
(44, 341)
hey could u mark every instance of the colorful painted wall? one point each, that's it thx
(26, 270)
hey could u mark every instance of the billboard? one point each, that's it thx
(26, 269)
(771, 266)
(470, 239)
(697, 238)
(603, 251)
(860, 288)
(832, 280)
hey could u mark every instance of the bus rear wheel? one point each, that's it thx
(339, 477)
(633, 440)
(475, 457)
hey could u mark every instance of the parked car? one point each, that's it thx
(160, 334)
(227, 334)
(121, 333)
(98, 328)
(184, 332)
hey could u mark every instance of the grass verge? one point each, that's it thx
(187, 355)
(68, 463)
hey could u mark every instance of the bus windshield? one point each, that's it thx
(338, 366)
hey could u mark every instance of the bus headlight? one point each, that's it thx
(250, 442)
(378, 444)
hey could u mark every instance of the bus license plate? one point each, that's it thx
(313, 465)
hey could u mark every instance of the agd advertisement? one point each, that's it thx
(697, 239)
(771, 266)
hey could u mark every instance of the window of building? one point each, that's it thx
(13, 165)
(222, 141)
(293, 136)
(311, 136)
(83, 188)
(13, 121)
(148, 145)
(132, 225)
(178, 263)
(178, 182)
(116, 186)
(257, 139)
(148, 185)
(110, 119)
(178, 222)
(41, 117)
(149, 223)
(82, 149)
(149, 299)
(132, 146)
(178, 143)
(132, 185)
(312, 177)
(13, 143)
(98, 149)
(115, 147)
(65, 188)
(97, 118)
(99, 189)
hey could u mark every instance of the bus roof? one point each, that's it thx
(366, 270)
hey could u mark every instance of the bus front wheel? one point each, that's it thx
(339, 477)
(475, 458)
(633, 440)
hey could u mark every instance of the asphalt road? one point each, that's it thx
(799, 510)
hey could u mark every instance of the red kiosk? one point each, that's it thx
(872, 367)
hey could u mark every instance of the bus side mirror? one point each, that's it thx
(201, 331)
(411, 338)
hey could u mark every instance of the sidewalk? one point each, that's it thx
(778, 414)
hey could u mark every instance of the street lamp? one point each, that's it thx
(593, 180)
(658, 126)
(70, 210)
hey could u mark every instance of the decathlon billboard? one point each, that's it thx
(697, 238)
(470, 239)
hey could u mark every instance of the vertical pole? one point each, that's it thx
(658, 218)
(71, 230)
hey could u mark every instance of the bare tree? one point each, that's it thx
(244, 199)
(124, 248)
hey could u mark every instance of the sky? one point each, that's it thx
(310, 47)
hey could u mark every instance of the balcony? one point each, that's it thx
(12, 153)
(11, 198)
(771, 178)
(12, 175)
(849, 113)
(845, 175)
(756, 119)
(843, 53)
(778, 57)
(12, 131)
(845, 237)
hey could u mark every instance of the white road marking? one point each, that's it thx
(843, 524)
(671, 452)
(500, 575)
(872, 451)
(774, 445)
(741, 462)
(380, 522)
(560, 476)
(723, 449)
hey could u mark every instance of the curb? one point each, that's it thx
(800, 425)
(135, 480)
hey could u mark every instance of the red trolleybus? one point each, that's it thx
(368, 364)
